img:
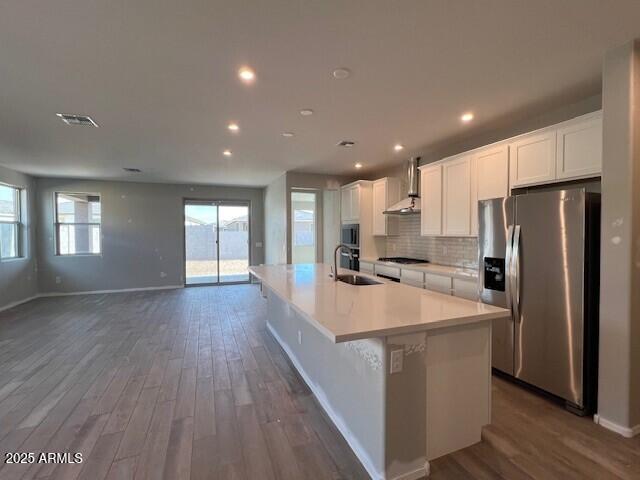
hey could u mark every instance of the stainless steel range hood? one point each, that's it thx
(411, 204)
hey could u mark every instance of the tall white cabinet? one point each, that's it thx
(386, 192)
(431, 198)
(456, 194)
(350, 202)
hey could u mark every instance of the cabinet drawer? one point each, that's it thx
(412, 276)
(367, 267)
(437, 283)
(388, 271)
(465, 289)
(411, 283)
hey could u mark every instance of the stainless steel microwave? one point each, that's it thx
(350, 235)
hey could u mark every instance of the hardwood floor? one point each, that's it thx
(187, 384)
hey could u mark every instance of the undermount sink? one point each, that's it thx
(357, 280)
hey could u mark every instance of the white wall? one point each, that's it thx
(275, 221)
(19, 277)
(142, 234)
(619, 378)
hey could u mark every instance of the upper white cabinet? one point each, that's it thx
(570, 150)
(489, 177)
(350, 203)
(532, 159)
(457, 196)
(579, 148)
(492, 172)
(431, 198)
(386, 192)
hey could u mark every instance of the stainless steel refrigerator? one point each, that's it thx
(539, 258)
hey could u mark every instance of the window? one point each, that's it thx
(10, 222)
(78, 221)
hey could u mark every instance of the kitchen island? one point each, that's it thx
(404, 373)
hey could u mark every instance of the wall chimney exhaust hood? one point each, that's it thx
(411, 204)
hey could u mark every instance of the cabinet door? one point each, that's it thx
(366, 267)
(465, 289)
(492, 172)
(579, 149)
(431, 199)
(437, 283)
(345, 205)
(355, 203)
(457, 196)
(532, 159)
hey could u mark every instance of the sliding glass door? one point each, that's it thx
(216, 239)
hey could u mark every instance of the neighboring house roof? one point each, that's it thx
(195, 221)
(303, 215)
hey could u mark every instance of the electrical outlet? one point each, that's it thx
(299, 337)
(397, 357)
(58, 280)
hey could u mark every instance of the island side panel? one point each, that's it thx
(406, 423)
(348, 379)
(458, 374)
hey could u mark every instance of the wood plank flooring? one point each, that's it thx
(188, 384)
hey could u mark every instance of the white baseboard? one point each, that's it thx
(627, 432)
(19, 302)
(339, 423)
(91, 292)
(119, 290)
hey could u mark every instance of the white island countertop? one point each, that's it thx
(346, 312)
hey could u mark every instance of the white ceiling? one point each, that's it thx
(159, 76)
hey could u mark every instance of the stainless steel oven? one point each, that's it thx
(350, 263)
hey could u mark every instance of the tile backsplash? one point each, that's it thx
(454, 251)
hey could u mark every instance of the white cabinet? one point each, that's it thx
(437, 283)
(492, 172)
(579, 149)
(367, 267)
(532, 159)
(412, 277)
(457, 196)
(489, 178)
(431, 198)
(386, 192)
(465, 289)
(350, 204)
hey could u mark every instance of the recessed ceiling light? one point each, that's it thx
(233, 127)
(341, 73)
(305, 112)
(247, 75)
(467, 117)
(287, 134)
(227, 153)
(397, 147)
(346, 143)
(79, 120)
(358, 165)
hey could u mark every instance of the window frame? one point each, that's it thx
(57, 224)
(19, 223)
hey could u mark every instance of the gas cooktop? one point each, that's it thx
(402, 260)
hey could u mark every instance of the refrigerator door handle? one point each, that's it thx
(507, 268)
(515, 273)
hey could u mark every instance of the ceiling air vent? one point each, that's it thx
(346, 143)
(71, 119)
(132, 170)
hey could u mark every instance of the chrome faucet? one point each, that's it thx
(340, 246)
